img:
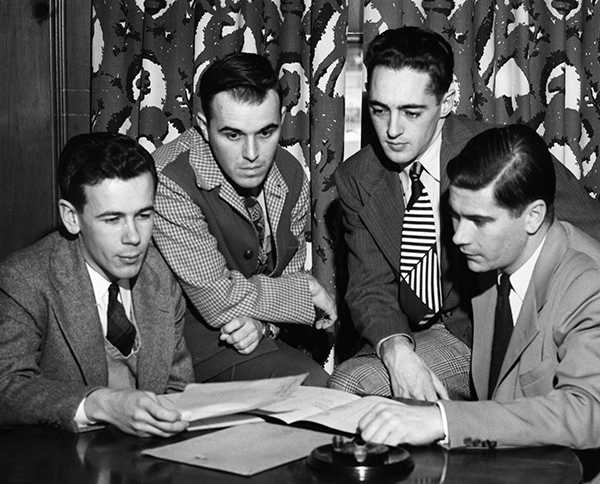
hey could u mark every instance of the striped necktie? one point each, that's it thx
(419, 265)
(120, 331)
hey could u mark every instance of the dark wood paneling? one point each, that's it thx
(44, 99)
(26, 130)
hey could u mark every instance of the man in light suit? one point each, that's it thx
(546, 388)
(231, 213)
(410, 98)
(64, 360)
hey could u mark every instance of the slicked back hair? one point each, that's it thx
(515, 159)
(247, 77)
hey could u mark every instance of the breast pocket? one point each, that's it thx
(539, 380)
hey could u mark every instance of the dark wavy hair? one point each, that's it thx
(89, 159)
(515, 159)
(247, 77)
(414, 48)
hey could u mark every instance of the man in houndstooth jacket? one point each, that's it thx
(242, 274)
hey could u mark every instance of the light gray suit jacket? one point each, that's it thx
(548, 391)
(51, 344)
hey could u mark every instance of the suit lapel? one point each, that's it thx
(484, 307)
(527, 325)
(75, 311)
(149, 303)
(383, 212)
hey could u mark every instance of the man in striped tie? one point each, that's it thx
(409, 289)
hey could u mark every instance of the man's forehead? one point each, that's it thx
(242, 116)
(117, 195)
(474, 203)
(419, 81)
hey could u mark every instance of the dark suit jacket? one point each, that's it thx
(371, 194)
(51, 344)
(548, 391)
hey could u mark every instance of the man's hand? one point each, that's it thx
(134, 412)
(395, 423)
(243, 333)
(409, 375)
(323, 300)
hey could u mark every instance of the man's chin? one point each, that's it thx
(477, 267)
(398, 158)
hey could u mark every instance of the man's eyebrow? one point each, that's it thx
(478, 217)
(116, 213)
(374, 102)
(239, 131)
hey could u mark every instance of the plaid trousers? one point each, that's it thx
(447, 356)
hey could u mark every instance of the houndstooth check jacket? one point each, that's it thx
(193, 231)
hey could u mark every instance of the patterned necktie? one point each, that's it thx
(120, 331)
(419, 265)
(258, 219)
(503, 327)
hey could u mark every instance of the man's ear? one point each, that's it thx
(203, 125)
(535, 215)
(447, 103)
(69, 216)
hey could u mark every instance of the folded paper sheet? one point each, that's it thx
(206, 400)
(245, 449)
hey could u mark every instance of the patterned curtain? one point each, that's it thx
(148, 57)
(519, 61)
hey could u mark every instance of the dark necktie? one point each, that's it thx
(258, 219)
(120, 331)
(503, 327)
(419, 264)
(416, 186)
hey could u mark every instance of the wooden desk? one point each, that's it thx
(43, 455)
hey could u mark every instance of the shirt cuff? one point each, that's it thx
(445, 441)
(81, 419)
(383, 340)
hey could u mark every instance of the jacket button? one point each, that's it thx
(248, 254)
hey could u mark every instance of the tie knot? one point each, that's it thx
(250, 201)
(113, 291)
(415, 171)
(505, 287)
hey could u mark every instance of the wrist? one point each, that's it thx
(399, 342)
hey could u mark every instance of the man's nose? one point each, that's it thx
(395, 126)
(131, 234)
(460, 236)
(251, 149)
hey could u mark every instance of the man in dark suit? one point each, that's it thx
(412, 349)
(231, 213)
(535, 346)
(91, 321)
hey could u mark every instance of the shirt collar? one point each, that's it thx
(431, 158)
(100, 284)
(520, 279)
